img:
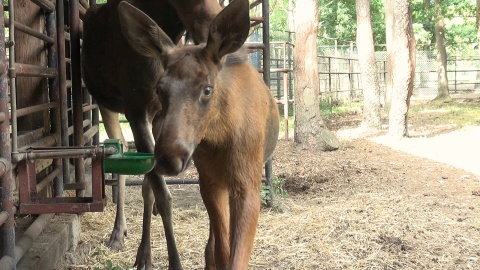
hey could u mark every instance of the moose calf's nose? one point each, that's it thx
(173, 159)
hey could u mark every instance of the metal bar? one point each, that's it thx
(85, 123)
(27, 30)
(46, 5)
(281, 42)
(36, 108)
(47, 180)
(266, 42)
(98, 184)
(337, 73)
(27, 185)
(54, 95)
(82, 10)
(30, 234)
(7, 182)
(254, 45)
(5, 215)
(136, 182)
(47, 141)
(96, 122)
(66, 34)
(88, 135)
(84, 4)
(256, 19)
(30, 136)
(63, 205)
(75, 186)
(11, 69)
(255, 3)
(266, 68)
(285, 103)
(77, 89)
(26, 70)
(90, 107)
(72, 152)
(62, 86)
(276, 70)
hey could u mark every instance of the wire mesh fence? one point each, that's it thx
(339, 72)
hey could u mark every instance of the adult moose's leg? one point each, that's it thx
(114, 131)
(144, 142)
(244, 213)
(215, 198)
(144, 252)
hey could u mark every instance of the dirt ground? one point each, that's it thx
(373, 204)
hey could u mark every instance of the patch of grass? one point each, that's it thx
(339, 108)
(291, 125)
(327, 111)
(459, 114)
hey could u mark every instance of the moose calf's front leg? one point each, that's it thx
(244, 213)
(215, 198)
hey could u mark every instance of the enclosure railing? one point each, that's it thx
(280, 81)
(44, 117)
(7, 182)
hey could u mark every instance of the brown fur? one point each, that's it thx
(123, 81)
(229, 132)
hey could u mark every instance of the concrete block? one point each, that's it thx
(59, 236)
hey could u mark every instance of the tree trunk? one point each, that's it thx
(368, 68)
(310, 129)
(389, 32)
(477, 83)
(443, 93)
(403, 66)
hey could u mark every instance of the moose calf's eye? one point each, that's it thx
(208, 90)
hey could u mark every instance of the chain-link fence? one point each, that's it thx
(339, 72)
(340, 78)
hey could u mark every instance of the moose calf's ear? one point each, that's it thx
(229, 30)
(142, 33)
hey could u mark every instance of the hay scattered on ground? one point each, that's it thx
(364, 206)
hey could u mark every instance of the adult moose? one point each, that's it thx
(123, 81)
(217, 111)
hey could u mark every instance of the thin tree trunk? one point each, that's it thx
(368, 68)
(389, 32)
(443, 91)
(403, 65)
(477, 83)
(310, 129)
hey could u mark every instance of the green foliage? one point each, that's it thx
(338, 21)
(459, 19)
(108, 264)
(279, 26)
(278, 191)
